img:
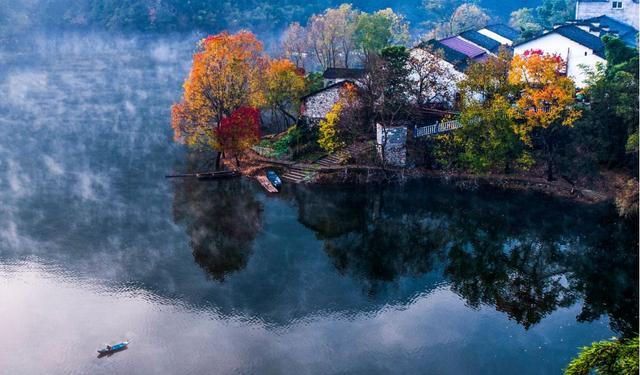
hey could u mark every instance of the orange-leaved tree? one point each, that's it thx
(238, 132)
(226, 74)
(546, 103)
(284, 85)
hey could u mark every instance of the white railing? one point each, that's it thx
(437, 128)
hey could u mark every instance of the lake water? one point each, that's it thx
(97, 246)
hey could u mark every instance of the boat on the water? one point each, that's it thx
(274, 179)
(113, 348)
(207, 175)
(217, 175)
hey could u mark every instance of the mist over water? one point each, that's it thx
(97, 246)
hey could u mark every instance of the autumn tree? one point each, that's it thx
(294, 44)
(343, 124)
(284, 85)
(238, 131)
(440, 10)
(225, 75)
(330, 36)
(488, 79)
(465, 17)
(488, 140)
(351, 124)
(328, 138)
(546, 103)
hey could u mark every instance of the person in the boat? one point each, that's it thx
(108, 347)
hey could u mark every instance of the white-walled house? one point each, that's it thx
(576, 46)
(622, 10)
(501, 33)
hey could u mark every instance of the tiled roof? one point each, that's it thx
(338, 84)
(625, 32)
(462, 46)
(481, 40)
(457, 59)
(343, 73)
(504, 31)
(578, 35)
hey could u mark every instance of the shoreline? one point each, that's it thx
(604, 189)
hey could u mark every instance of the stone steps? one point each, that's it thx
(297, 175)
(302, 173)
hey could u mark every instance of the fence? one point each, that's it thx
(436, 128)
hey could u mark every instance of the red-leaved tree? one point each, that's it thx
(238, 132)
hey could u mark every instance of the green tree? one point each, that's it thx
(615, 357)
(395, 60)
(611, 116)
(551, 12)
(379, 30)
(524, 19)
(314, 82)
(488, 139)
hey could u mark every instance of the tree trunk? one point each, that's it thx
(550, 169)
(237, 162)
(218, 160)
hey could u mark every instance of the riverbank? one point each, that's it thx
(603, 187)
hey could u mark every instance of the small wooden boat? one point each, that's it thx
(274, 179)
(207, 175)
(113, 348)
(217, 175)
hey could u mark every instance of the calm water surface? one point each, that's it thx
(97, 246)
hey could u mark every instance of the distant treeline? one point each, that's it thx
(18, 16)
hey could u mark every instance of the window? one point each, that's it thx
(616, 4)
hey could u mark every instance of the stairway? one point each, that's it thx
(331, 160)
(306, 172)
(298, 175)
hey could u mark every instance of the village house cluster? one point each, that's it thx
(577, 42)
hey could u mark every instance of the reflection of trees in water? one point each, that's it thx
(364, 238)
(606, 274)
(523, 279)
(525, 255)
(222, 218)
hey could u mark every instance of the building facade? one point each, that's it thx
(622, 10)
(577, 48)
(391, 143)
(317, 105)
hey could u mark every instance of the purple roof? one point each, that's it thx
(462, 46)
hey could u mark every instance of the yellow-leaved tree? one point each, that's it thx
(546, 103)
(328, 138)
(284, 85)
(226, 75)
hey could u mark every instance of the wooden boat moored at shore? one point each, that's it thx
(273, 177)
(217, 175)
(208, 175)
